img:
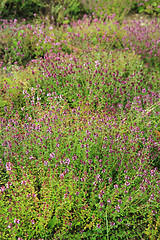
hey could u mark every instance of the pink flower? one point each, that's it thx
(117, 208)
(32, 221)
(10, 225)
(23, 182)
(112, 223)
(98, 225)
(16, 221)
(110, 180)
(2, 189)
(52, 155)
(8, 166)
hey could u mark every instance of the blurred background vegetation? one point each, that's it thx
(64, 11)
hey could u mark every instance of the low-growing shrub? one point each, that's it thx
(79, 133)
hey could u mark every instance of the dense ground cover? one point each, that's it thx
(80, 128)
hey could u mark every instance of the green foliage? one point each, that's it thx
(11, 88)
(61, 12)
(64, 11)
(20, 9)
(149, 7)
(153, 228)
(102, 9)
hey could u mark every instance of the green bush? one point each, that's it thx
(20, 9)
(150, 7)
(61, 11)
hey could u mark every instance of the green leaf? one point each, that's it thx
(141, 9)
(52, 222)
(154, 4)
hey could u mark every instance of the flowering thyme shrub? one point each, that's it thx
(68, 180)
(90, 32)
(23, 43)
(144, 39)
(79, 137)
(102, 8)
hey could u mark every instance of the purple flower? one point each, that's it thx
(32, 221)
(97, 177)
(120, 201)
(109, 200)
(16, 221)
(127, 183)
(117, 208)
(23, 182)
(101, 204)
(82, 179)
(98, 225)
(52, 155)
(143, 90)
(8, 166)
(112, 223)
(8, 184)
(67, 161)
(2, 189)
(130, 198)
(110, 180)
(116, 186)
(10, 225)
(45, 163)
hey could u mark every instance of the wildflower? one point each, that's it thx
(101, 204)
(32, 221)
(45, 163)
(23, 182)
(16, 221)
(130, 198)
(112, 223)
(10, 225)
(117, 208)
(119, 201)
(110, 180)
(52, 155)
(127, 183)
(8, 184)
(2, 189)
(82, 179)
(8, 166)
(98, 225)
(143, 90)
(67, 161)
